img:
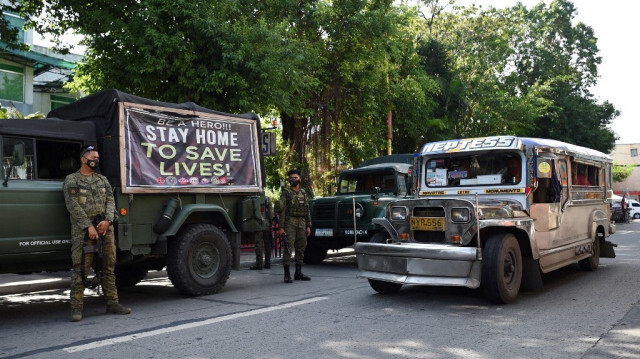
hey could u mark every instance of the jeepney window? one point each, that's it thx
(402, 184)
(25, 171)
(585, 175)
(492, 168)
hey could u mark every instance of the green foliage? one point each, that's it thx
(621, 172)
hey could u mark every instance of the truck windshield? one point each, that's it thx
(365, 182)
(492, 168)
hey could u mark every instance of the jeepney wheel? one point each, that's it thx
(199, 260)
(591, 264)
(501, 268)
(314, 254)
(383, 287)
(380, 237)
(128, 275)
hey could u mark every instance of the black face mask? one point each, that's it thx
(93, 164)
(294, 183)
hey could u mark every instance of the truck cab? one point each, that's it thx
(362, 194)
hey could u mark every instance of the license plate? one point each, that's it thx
(324, 232)
(360, 232)
(427, 224)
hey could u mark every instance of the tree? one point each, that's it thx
(621, 172)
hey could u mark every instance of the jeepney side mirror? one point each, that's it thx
(17, 159)
(375, 193)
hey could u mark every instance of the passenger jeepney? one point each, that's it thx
(496, 211)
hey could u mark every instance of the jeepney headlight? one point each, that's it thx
(460, 215)
(398, 213)
(359, 212)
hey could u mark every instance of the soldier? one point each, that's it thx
(265, 236)
(295, 222)
(87, 196)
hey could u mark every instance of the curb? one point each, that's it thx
(53, 283)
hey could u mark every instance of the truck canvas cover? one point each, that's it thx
(166, 147)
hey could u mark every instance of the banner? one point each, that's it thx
(174, 150)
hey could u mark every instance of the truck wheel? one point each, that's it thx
(591, 264)
(383, 287)
(501, 268)
(128, 275)
(199, 260)
(314, 254)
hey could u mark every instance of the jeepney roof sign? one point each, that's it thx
(471, 144)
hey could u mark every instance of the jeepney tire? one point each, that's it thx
(380, 237)
(383, 287)
(128, 275)
(591, 264)
(199, 260)
(314, 254)
(501, 268)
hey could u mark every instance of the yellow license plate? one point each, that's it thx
(427, 224)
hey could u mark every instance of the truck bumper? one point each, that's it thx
(416, 263)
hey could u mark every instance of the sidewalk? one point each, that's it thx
(24, 283)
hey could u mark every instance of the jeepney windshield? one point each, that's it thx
(365, 182)
(474, 169)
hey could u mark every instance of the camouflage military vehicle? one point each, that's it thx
(188, 181)
(341, 220)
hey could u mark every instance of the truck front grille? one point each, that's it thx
(324, 211)
(428, 236)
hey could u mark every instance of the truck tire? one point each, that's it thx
(591, 264)
(129, 275)
(199, 260)
(383, 287)
(314, 254)
(501, 268)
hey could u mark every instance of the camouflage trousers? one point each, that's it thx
(262, 241)
(108, 281)
(297, 238)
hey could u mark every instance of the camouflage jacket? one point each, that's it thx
(86, 197)
(294, 207)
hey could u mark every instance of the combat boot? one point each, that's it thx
(287, 275)
(255, 267)
(267, 263)
(299, 275)
(117, 308)
(76, 315)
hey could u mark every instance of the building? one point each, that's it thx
(627, 154)
(32, 80)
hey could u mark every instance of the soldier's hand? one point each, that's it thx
(103, 227)
(308, 231)
(93, 234)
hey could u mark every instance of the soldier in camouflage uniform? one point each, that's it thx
(265, 236)
(87, 195)
(295, 223)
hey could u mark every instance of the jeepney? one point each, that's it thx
(496, 211)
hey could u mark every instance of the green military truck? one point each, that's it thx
(188, 182)
(362, 194)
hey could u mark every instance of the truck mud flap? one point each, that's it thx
(606, 249)
(234, 242)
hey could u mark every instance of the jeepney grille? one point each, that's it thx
(428, 236)
(324, 211)
(428, 212)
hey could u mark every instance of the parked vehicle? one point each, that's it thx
(362, 193)
(187, 181)
(496, 211)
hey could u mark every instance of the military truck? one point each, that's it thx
(187, 180)
(362, 194)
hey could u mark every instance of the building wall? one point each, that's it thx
(623, 154)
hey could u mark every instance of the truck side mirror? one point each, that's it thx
(375, 192)
(16, 160)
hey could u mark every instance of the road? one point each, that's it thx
(336, 315)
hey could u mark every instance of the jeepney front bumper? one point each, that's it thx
(418, 263)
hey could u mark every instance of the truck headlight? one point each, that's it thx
(460, 215)
(359, 212)
(398, 213)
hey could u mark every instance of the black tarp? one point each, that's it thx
(102, 109)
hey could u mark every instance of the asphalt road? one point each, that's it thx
(336, 315)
